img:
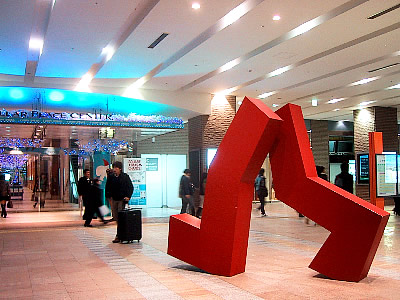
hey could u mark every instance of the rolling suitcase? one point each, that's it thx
(129, 225)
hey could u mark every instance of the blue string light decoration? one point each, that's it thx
(96, 145)
(20, 143)
(12, 162)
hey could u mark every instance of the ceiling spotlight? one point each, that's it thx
(36, 44)
(16, 151)
(196, 5)
(276, 18)
(108, 52)
(336, 109)
(314, 102)
(275, 105)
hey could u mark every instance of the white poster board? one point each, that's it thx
(135, 168)
(386, 175)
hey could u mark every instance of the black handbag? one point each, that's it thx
(10, 204)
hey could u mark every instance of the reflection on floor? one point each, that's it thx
(26, 204)
(82, 263)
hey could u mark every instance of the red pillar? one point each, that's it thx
(375, 147)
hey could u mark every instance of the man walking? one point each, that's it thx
(84, 186)
(120, 188)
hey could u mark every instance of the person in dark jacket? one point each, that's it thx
(261, 190)
(203, 182)
(119, 187)
(93, 202)
(84, 188)
(4, 194)
(344, 180)
(186, 191)
(396, 209)
(321, 172)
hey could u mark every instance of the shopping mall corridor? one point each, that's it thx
(61, 259)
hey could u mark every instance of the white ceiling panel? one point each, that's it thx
(77, 33)
(16, 19)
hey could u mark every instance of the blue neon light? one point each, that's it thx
(66, 100)
(56, 96)
(16, 93)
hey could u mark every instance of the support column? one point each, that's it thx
(320, 143)
(207, 131)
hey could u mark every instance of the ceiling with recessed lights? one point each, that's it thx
(339, 55)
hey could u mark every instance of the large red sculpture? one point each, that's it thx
(218, 243)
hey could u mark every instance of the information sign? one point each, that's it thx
(134, 167)
(386, 175)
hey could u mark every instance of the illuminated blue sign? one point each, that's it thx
(88, 119)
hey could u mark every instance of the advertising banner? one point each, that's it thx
(136, 169)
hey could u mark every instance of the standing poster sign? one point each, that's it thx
(101, 162)
(136, 169)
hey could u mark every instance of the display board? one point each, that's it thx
(135, 168)
(362, 168)
(386, 175)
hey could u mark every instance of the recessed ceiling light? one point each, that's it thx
(336, 109)
(275, 105)
(280, 71)
(364, 81)
(8, 127)
(397, 86)
(276, 18)
(266, 95)
(335, 100)
(366, 103)
(196, 5)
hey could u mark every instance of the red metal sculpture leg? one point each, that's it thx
(218, 244)
(356, 226)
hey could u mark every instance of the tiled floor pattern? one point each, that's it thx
(82, 263)
(208, 282)
(138, 279)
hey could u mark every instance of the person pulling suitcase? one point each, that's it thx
(120, 188)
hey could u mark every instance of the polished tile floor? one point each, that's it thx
(53, 261)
